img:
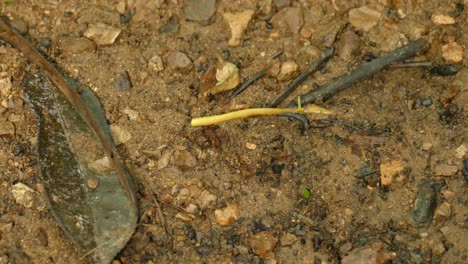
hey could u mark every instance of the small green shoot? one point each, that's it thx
(299, 103)
(306, 193)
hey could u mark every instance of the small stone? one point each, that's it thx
(250, 146)
(102, 165)
(263, 243)
(156, 63)
(227, 77)
(92, 183)
(102, 34)
(123, 82)
(206, 200)
(426, 102)
(199, 10)
(192, 209)
(184, 159)
(171, 26)
(461, 151)
(4, 259)
(364, 18)
(287, 71)
(20, 26)
(227, 215)
(179, 60)
(348, 45)
(164, 160)
(390, 170)
(73, 46)
(238, 23)
(442, 20)
(120, 135)
(288, 239)
(443, 212)
(6, 227)
(288, 20)
(132, 114)
(424, 204)
(184, 217)
(281, 3)
(452, 52)
(41, 238)
(5, 86)
(445, 170)
(374, 253)
(23, 195)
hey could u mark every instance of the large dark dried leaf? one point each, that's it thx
(84, 191)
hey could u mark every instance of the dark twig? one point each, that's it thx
(253, 78)
(298, 117)
(303, 76)
(365, 70)
(412, 64)
(246, 83)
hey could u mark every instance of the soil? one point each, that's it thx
(396, 136)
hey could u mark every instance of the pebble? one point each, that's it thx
(156, 63)
(443, 212)
(424, 204)
(237, 22)
(20, 26)
(120, 135)
(132, 114)
(287, 71)
(348, 45)
(164, 160)
(374, 253)
(4, 259)
(184, 159)
(192, 209)
(206, 200)
(41, 238)
(185, 217)
(452, 52)
(461, 151)
(6, 128)
(263, 243)
(72, 46)
(5, 86)
(179, 60)
(171, 26)
(364, 18)
(23, 195)
(442, 20)
(445, 70)
(281, 3)
(288, 20)
(390, 170)
(123, 82)
(226, 216)
(445, 170)
(288, 239)
(102, 34)
(199, 10)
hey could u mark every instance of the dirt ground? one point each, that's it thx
(397, 136)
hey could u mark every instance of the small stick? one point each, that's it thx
(412, 64)
(211, 120)
(365, 70)
(303, 76)
(246, 83)
(253, 78)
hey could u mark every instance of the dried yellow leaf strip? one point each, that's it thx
(211, 120)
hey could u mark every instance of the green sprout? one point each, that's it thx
(306, 193)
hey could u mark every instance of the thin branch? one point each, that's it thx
(365, 70)
(303, 76)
